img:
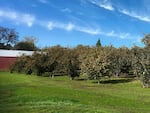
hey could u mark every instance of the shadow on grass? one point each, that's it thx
(115, 81)
(80, 79)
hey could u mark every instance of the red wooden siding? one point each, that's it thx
(5, 62)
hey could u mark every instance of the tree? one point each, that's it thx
(141, 64)
(137, 67)
(39, 66)
(98, 43)
(27, 44)
(8, 38)
(146, 40)
(96, 64)
(72, 64)
(19, 64)
(145, 62)
(30, 39)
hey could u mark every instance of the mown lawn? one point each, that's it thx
(21, 93)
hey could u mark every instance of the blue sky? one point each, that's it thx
(73, 22)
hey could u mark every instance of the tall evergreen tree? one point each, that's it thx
(98, 43)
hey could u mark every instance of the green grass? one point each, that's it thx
(21, 93)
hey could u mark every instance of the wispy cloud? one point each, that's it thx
(109, 6)
(33, 5)
(103, 4)
(135, 15)
(115, 34)
(18, 17)
(29, 20)
(70, 27)
(122, 35)
(66, 10)
(43, 1)
(88, 30)
(51, 25)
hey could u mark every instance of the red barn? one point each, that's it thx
(7, 57)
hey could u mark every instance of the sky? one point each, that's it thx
(74, 22)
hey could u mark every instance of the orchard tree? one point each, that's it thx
(145, 61)
(137, 66)
(39, 63)
(96, 65)
(141, 61)
(146, 40)
(19, 64)
(72, 64)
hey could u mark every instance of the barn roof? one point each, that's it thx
(14, 53)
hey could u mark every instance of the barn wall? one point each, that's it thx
(5, 62)
(7, 57)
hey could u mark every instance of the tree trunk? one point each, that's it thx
(71, 78)
(98, 82)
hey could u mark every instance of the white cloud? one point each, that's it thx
(50, 25)
(53, 24)
(70, 26)
(88, 30)
(135, 15)
(8, 14)
(17, 17)
(118, 35)
(28, 19)
(109, 7)
(103, 4)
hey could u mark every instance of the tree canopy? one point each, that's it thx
(146, 40)
(8, 38)
(28, 44)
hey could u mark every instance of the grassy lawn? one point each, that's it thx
(21, 93)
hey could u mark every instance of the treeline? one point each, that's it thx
(9, 40)
(89, 62)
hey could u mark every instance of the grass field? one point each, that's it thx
(21, 93)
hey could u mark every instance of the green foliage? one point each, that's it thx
(25, 46)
